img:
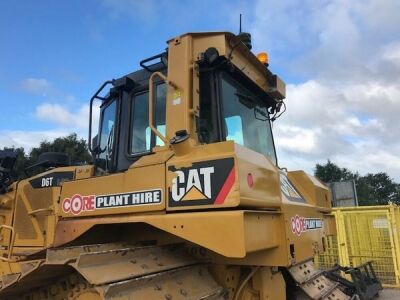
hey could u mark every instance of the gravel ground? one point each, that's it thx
(389, 294)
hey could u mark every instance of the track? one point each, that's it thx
(314, 284)
(112, 271)
(120, 271)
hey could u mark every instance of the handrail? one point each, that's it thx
(95, 96)
(151, 103)
(10, 248)
(40, 210)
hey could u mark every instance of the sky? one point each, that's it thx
(340, 60)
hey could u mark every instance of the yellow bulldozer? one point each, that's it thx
(184, 198)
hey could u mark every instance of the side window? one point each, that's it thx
(107, 132)
(142, 140)
(159, 114)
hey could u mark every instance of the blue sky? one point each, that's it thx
(340, 60)
(75, 46)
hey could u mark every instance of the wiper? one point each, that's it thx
(249, 97)
(247, 100)
(252, 102)
(262, 113)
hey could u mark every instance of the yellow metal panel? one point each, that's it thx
(260, 231)
(6, 215)
(315, 192)
(393, 247)
(307, 243)
(85, 171)
(224, 232)
(365, 234)
(395, 219)
(265, 191)
(178, 99)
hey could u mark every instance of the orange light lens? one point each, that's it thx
(263, 57)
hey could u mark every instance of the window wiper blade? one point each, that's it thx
(248, 97)
(247, 100)
(262, 113)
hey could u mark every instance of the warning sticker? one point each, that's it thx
(176, 98)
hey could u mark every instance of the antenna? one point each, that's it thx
(244, 36)
(240, 23)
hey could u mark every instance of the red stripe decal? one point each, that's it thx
(230, 180)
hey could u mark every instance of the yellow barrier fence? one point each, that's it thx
(366, 233)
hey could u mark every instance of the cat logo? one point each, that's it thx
(203, 183)
(196, 186)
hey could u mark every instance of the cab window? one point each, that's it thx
(107, 134)
(234, 111)
(245, 118)
(142, 140)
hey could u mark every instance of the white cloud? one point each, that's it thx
(65, 122)
(347, 109)
(391, 53)
(60, 115)
(296, 139)
(39, 86)
(43, 87)
(70, 117)
(28, 139)
(352, 125)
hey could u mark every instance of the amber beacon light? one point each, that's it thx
(263, 57)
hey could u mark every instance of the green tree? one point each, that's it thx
(372, 189)
(76, 149)
(330, 172)
(20, 164)
(377, 189)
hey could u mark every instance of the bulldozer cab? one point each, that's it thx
(124, 134)
(139, 113)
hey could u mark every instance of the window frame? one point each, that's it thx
(131, 106)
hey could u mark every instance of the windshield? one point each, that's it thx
(245, 118)
(107, 132)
